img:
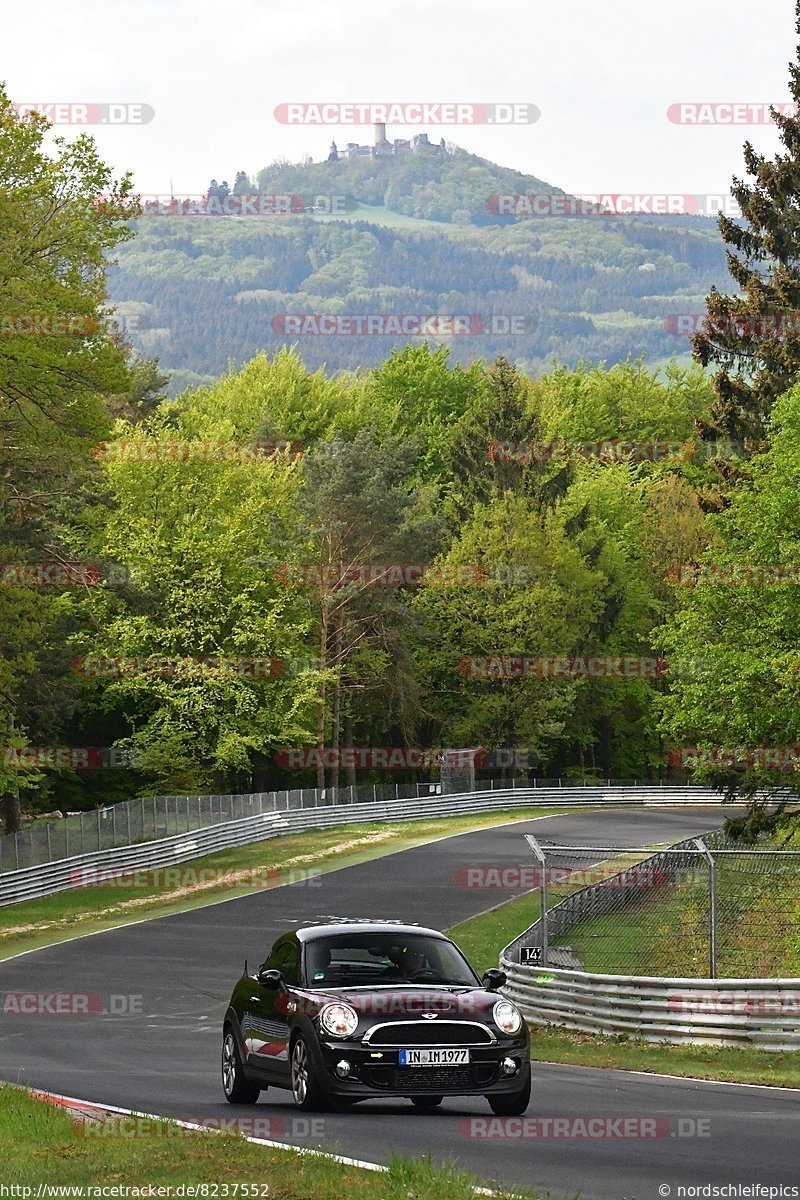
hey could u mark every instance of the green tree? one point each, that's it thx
(752, 337)
(57, 363)
(358, 508)
(194, 536)
(739, 644)
(537, 598)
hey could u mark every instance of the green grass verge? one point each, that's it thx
(40, 1143)
(737, 1064)
(483, 937)
(57, 918)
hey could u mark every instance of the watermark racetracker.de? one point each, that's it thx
(161, 666)
(611, 204)
(83, 112)
(69, 1004)
(406, 113)
(183, 878)
(727, 112)
(583, 1128)
(605, 450)
(412, 325)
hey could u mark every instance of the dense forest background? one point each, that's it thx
(242, 521)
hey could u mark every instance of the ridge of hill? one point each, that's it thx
(450, 186)
(415, 236)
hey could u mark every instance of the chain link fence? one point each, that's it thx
(150, 818)
(147, 819)
(703, 908)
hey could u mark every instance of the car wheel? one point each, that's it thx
(306, 1089)
(238, 1089)
(512, 1104)
(426, 1101)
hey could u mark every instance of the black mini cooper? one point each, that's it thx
(356, 1010)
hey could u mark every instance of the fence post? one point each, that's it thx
(712, 907)
(537, 850)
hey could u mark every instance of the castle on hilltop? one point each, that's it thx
(383, 148)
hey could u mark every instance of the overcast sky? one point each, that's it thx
(602, 74)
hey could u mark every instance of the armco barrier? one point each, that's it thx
(43, 880)
(758, 1012)
(151, 818)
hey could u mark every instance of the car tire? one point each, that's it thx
(512, 1104)
(426, 1101)
(237, 1088)
(306, 1090)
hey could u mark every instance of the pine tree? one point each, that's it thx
(754, 337)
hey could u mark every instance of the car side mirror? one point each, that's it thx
(494, 979)
(271, 979)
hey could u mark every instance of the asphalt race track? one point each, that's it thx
(164, 1058)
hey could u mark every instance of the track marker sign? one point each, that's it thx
(530, 954)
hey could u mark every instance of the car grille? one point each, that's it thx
(429, 1033)
(431, 1079)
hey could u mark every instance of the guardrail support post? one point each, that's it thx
(537, 850)
(712, 907)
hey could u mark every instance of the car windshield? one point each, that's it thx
(383, 959)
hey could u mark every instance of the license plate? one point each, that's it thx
(433, 1058)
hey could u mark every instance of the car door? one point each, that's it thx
(266, 1018)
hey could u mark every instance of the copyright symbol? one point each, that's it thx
(663, 1189)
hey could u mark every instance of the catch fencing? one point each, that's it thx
(638, 949)
(701, 908)
(289, 812)
(154, 817)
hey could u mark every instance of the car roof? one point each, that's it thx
(308, 933)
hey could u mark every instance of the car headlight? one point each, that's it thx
(339, 1019)
(506, 1016)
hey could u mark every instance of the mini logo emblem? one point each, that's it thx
(429, 1016)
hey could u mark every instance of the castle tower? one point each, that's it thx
(380, 133)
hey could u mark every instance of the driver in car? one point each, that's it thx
(408, 962)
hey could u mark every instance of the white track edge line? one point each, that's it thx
(774, 1088)
(65, 1101)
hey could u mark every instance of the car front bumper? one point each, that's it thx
(378, 1073)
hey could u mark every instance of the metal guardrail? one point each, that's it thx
(45, 879)
(758, 1012)
(149, 818)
